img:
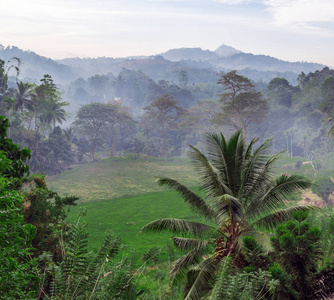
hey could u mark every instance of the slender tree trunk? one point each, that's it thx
(162, 142)
(162, 145)
(112, 148)
(161, 148)
(9, 114)
(93, 152)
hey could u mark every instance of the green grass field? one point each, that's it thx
(123, 196)
(108, 179)
(127, 215)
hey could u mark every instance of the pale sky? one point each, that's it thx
(293, 30)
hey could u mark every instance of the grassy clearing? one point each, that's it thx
(123, 196)
(108, 179)
(127, 215)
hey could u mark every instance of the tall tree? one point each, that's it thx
(90, 122)
(162, 117)
(240, 198)
(49, 107)
(242, 104)
(119, 118)
(99, 86)
(281, 92)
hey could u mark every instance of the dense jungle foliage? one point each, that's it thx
(255, 241)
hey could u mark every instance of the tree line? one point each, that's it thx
(162, 121)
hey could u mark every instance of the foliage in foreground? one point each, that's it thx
(46, 210)
(18, 278)
(85, 275)
(245, 285)
(241, 197)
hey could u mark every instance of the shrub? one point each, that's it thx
(323, 187)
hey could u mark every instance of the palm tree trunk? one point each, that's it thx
(93, 152)
(112, 148)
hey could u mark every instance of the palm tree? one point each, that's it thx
(241, 198)
(24, 97)
(55, 113)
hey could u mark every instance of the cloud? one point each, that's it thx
(313, 16)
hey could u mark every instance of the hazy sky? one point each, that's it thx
(293, 30)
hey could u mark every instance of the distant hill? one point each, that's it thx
(196, 54)
(242, 61)
(199, 54)
(201, 65)
(34, 66)
(226, 51)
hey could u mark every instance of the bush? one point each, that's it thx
(298, 164)
(323, 187)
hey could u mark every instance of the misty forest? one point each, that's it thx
(192, 174)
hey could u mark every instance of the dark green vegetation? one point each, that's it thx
(42, 255)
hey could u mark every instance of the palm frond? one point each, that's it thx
(228, 207)
(239, 160)
(221, 278)
(203, 279)
(209, 178)
(152, 254)
(284, 186)
(178, 226)
(249, 150)
(217, 149)
(272, 220)
(181, 266)
(196, 202)
(256, 170)
(189, 244)
(289, 184)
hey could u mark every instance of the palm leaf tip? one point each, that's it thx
(272, 220)
(178, 226)
(196, 203)
(189, 244)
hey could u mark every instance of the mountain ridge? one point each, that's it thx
(224, 58)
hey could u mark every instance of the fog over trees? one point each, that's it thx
(127, 111)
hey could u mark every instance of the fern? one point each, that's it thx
(243, 286)
(220, 279)
(151, 255)
(82, 275)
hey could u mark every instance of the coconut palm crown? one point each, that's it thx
(241, 198)
(24, 97)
